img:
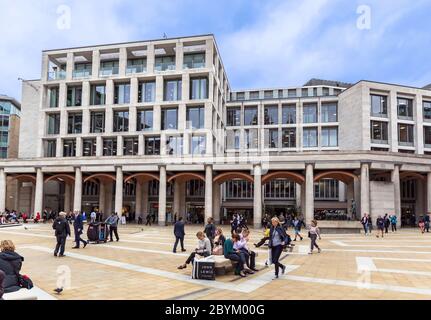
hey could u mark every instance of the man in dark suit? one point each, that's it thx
(78, 226)
(179, 234)
(62, 230)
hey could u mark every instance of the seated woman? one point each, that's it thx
(242, 246)
(203, 249)
(219, 242)
(235, 255)
(264, 239)
(10, 264)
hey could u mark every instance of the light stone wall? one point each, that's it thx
(382, 199)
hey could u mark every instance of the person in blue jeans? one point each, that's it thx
(277, 240)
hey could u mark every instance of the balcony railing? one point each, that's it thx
(57, 75)
(79, 74)
(136, 69)
(193, 65)
(106, 72)
(164, 66)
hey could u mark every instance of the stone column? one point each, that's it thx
(257, 197)
(357, 196)
(429, 192)
(177, 198)
(67, 196)
(309, 193)
(108, 200)
(395, 178)
(2, 190)
(145, 210)
(341, 191)
(77, 198)
(17, 196)
(208, 192)
(138, 201)
(350, 195)
(119, 191)
(162, 196)
(102, 197)
(298, 193)
(365, 190)
(216, 202)
(38, 194)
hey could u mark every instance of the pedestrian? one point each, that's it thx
(366, 223)
(93, 217)
(422, 225)
(297, 224)
(62, 230)
(210, 230)
(148, 219)
(78, 226)
(10, 264)
(387, 222)
(380, 222)
(277, 240)
(427, 222)
(203, 249)
(314, 232)
(179, 234)
(112, 222)
(37, 218)
(393, 219)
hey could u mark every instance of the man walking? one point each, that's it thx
(78, 226)
(427, 222)
(112, 222)
(93, 216)
(62, 230)
(179, 234)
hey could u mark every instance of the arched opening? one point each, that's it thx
(413, 198)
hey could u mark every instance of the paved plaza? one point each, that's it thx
(142, 266)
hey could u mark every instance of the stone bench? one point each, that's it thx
(223, 265)
(22, 294)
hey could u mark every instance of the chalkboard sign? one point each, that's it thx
(204, 270)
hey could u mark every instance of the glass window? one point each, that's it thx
(379, 105)
(110, 146)
(271, 114)
(325, 91)
(194, 60)
(50, 148)
(310, 137)
(304, 92)
(251, 138)
(427, 110)
(169, 118)
(53, 94)
(326, 189)
(164, 63)
(195, 117)
(288, 114)
(198, 145)
(198, 88)
(268, 94)
(121, 121)
(144, 120)
(174, 145)
(97, 122)
(272, 138)
(250, 116)
(122, 93)
(427, 136)
(152, 146)
(233, 117)
(82, 70)
(405, 134)
(329, 137)
(279, 189)
(74, 96)
(288, 138)
(329, 112)
(69, 148)
(405, 108)
(379, 132)
(233, 139)
(108, 68)
(98, 95)
(147, 91)
(136, 66)
(254, 95)
(74, 123)
(89, 147)
(130, 146)
(240, 96)
(291, 93)
(172, 90)
(310, 113)
(53, 123)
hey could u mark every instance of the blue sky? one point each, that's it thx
(270, 43)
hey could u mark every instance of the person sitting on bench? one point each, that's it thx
(250, 256)
(203, 249)
(236, 255)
